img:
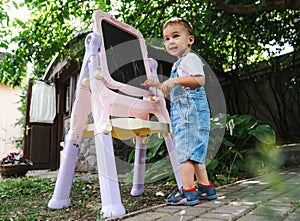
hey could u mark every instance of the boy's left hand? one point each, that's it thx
(167, 86)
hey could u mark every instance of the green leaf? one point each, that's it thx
(20, 22)
(227, 143)
(264, 133)
(3, 45)
(212, 165)
(15, 5)
(154, 147)
(241, 133)
(241, 119)
(131, 156)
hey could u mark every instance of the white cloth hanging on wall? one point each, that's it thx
(43, 103)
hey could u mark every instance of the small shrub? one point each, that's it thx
(238, 144)
(245, 141)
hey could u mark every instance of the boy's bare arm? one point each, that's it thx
(191, 81)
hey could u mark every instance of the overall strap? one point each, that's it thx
(176, 64)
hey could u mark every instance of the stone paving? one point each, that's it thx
(274, 197)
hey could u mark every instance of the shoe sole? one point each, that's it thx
(190, 203)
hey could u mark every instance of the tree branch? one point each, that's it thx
(279, 5)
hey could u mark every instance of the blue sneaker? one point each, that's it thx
(183, 198)
(206, 192)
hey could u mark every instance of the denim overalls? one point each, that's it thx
(190, 120)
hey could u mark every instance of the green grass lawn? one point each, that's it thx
(27, 199)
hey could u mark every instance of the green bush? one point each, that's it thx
(158, 163)
(248, 147)
(238, 145)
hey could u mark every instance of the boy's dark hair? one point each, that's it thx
(181, 21)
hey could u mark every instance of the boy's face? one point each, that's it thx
(177, 39)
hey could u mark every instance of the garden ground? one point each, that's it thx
(275, 196)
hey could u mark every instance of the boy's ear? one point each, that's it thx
(191, 40)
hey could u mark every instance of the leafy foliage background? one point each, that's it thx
(228, 37)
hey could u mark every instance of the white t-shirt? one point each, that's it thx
(190, 64)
